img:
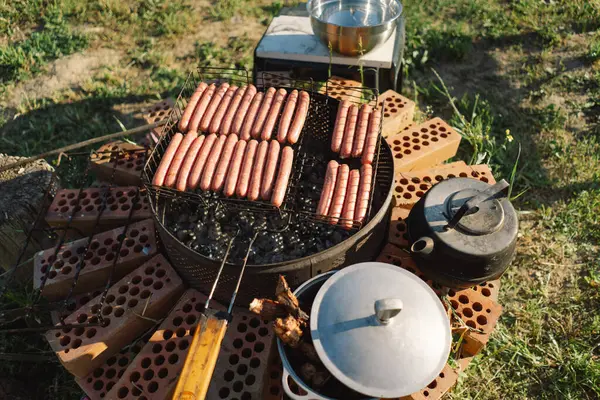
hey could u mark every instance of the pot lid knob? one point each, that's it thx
(386, 309)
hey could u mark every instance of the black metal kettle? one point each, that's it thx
(463, 232)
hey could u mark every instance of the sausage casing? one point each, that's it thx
(234, 168)
(263, 112)
(328, 187)
(257, 172)
(188, 163)
(364, 192)
(273, 114)
(361, 130)
(350, 199)
(348, 140)
(218, 180)
(196, 172)
(283, 176)
(229, 117)
(266, 187)
(247, 165)
(286, 116)
(201, 107)
(167, 158)
(187, 141)
(213, 106)
(299, 118)
(340, 126)
(246, 131)
(191, 106)
(217, 120)
(240, 114)
(339, 194)
(211, 163)
(372, 137)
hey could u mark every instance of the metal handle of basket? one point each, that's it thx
(310, 395)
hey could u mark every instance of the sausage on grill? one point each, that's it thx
(187, 141)
(299, 118)
(283, 176)
(228, 119)
(266, 187)
(242, 110)
(165, 162)
(267, 130)
(372, 137)
(350, 199)
(328, 187)
(348, 140)
(188, 163)
(246, 130)
(211, 163)
(247, 166)
(218, 180)
(217, 120)
(234, 168)
(201, 107)
(364, 192)
(337, 201)
(340, 125)
(213, 106)
(200, 162)
(361, 130)
(257, 171)
(261, 117)
(191, 106)
(286, 116)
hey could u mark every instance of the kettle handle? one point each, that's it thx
(499, 190)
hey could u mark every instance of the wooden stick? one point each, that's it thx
(79, 145)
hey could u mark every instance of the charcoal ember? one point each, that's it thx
(183, 218)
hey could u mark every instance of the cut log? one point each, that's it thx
(288, 330)
(22, 195)
(284, 296)
(268, 309)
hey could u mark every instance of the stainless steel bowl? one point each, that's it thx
(353, 27)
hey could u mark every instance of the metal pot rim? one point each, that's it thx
(310, 8)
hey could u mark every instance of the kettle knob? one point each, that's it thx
(386, 309)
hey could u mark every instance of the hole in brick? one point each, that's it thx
(76, 343)
(477, 307)
(254, 363)
(82, 318)
(160, 273)
(149, 270)
(454, 304)
(134, 291)
(123, 361)
(146, 362)
(482, 320)
(441, 375)
(246, 353)
(123, 289)
(183, 344)
(162, 373)
(111, 373)
(90, 333)
(190, 320)
(223, 393)
(134, 377)
(65, 340)
(98, 385)
(407, 195)
(157, 348)
(79, 331)
(157, 285)
(170, 346)
(488, 310)
(145, 294)
(242, 327)
(148, 375)
(250, 379)
(238, 343)
(143, 238)
(406, 144)
(123, 253)
(136, 279)
(132, 303)
(238, 386)
(180, 332)
(107, 310)
(123, 392)
(159, 360)
(167, 334)
(173, 358)
(434, 139)
(250, 337)
(121, 300)
(486, 292)
(187, 308)
(425, 393)
(463, 299)
(105, 322)
(432, 385)
(234, 359)
(468, 312)
(274, 390)
(110, 298)
(471, 324)
(148, 281)
(259, 347)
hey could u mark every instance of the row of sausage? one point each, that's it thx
(229, 109)
(248, 169)
(345, 194)
(356, 131)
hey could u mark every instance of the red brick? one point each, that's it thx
(398, 233)
(274, 79)
(119, 163)
(131, 307)
(119, 201)
(75, 303)
(343, 89)
(158, 112)
(398, 113)
(138, 246)
(424, 145)
(272, 388)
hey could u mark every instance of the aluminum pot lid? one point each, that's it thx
(380, 330)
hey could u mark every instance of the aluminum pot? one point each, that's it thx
(354, 27)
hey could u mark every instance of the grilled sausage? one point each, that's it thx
(196, 173)
(234, 168)
(242, 110)
(217, 120)
(273, 114)
(350, 199)
(229, 117)
(372, 137)
(283, 176)
(165, 162)
(188, 163)
(348, 140)
(261, 117)
(191, 106)
(218, 180)
(201, 107)
(340, 125)
(286, 116)
(361, 130)
(251, 116)
(187, 141)
(211, 163)
(339, 194)
(257, 171)
(268, 176)
(299, 118)
(364, 192)
(328, 187)
(247, 166)
(213, 106)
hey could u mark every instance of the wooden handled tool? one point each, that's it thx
(204, 351)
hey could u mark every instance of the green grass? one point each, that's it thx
(529, 68)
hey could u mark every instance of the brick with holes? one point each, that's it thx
(139, 244)
(392, 255)
(398, 113)
(75, 302)
(103, 378)
(342, 89)
(409, 187)
(424, 145)
(158, 112)
(479, 314)
(398, 233)
(119, 163)
(131, 307)
(88, 212)
(272, 389)
(275, 79)
(445, 380)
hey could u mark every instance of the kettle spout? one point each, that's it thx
(423, 246)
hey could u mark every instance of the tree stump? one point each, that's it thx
(22, 195)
